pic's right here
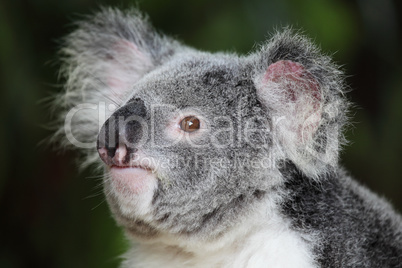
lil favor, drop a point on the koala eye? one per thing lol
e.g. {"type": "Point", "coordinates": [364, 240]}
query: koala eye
{"type": "Point", "coordinates": [190, 124]}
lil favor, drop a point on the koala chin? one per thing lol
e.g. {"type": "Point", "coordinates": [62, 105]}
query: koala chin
{"type": "Point", "coordinates": [218, 159]}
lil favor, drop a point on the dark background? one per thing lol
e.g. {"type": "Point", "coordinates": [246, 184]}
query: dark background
{"type": "Point", "coordinates": [53, 216]}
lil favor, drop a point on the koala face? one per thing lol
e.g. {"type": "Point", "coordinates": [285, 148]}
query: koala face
{"type": "Point", "coordinates": [197, 139]}
{"type": "Point", "coordinates": [181, 150]}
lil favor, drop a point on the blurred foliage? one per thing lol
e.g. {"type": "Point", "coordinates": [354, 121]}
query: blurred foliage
{"type": "Point", "coordinates": [53, 216]}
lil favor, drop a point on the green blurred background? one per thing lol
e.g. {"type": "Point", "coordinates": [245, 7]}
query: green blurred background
{"type": "Point", "coordinates": [53, 216]}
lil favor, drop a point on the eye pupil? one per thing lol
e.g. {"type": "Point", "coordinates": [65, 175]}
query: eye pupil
{"type": "Point", "coordinates": [190, 124]}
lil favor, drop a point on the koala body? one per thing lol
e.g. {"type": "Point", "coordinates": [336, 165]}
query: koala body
{"type": "Point", "coordinates": [220, 160]}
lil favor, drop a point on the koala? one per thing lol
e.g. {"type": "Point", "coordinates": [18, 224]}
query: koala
{"type": "Point", "coordinates": [218, 159]}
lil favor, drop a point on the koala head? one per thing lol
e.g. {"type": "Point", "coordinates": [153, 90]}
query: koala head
{"type": "Point", "coordinates": [190, 141]}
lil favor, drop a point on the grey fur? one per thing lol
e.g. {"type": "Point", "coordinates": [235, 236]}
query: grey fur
{"type": "Point", "coordinates": [196, 199]}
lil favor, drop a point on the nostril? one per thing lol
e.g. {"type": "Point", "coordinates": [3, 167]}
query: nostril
{"type": "Point", "coordinates": [106, 149]}
{"type": "Point", "coordinates": [111, 151]}
{"type": "Point", "coordinates": [119, 157]}
{"type": "Point", "coordinates": [103, 153]}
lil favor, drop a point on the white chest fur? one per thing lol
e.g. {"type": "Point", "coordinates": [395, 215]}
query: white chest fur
{"type": "Point", "coordinates": [257, 242]}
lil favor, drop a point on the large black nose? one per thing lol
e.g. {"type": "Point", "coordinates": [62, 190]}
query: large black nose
{"type": "Point", "coordinates": [120, 135]}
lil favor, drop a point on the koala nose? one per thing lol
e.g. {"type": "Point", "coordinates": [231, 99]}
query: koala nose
{"type": "Point", "coordinates": [120, 135]}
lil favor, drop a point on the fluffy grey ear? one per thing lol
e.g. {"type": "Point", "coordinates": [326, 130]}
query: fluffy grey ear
{"type": "Point", "coordinates": [101, 61]}
{"type": "Point", "coordinates": [303, 92]}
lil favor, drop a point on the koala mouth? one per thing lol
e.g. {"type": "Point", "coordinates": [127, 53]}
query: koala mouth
{"type": "Point", "coordinates": [121, 159]}
{"type": "Point", "coordinates": [129, 180]}
{"type": "Point", "coordinates": [130, 174]}
{"type": "Point", "coordinates": [132, 166]}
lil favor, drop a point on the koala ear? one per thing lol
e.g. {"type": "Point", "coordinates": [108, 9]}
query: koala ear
{"type": "Point", "coordinates": [299, 93]}
{"type": "Point", "coordinates": [124, 65]}
{"type": "Point", "coordinates": [110, 52]}
{"type": "Point", "coordinates": [302, 91]}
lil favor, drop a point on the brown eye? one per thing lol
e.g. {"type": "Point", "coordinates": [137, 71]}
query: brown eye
{"type": "Point", "coordinates": [190, 124]}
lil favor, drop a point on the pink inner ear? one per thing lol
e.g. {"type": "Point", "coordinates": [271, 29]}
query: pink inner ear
{"type": "Point", "coordinates": [303, 90]}
{"type": "Point", "coordinates": [127, 65]}
{"type": "Point", "coordinates": [286, 70]}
